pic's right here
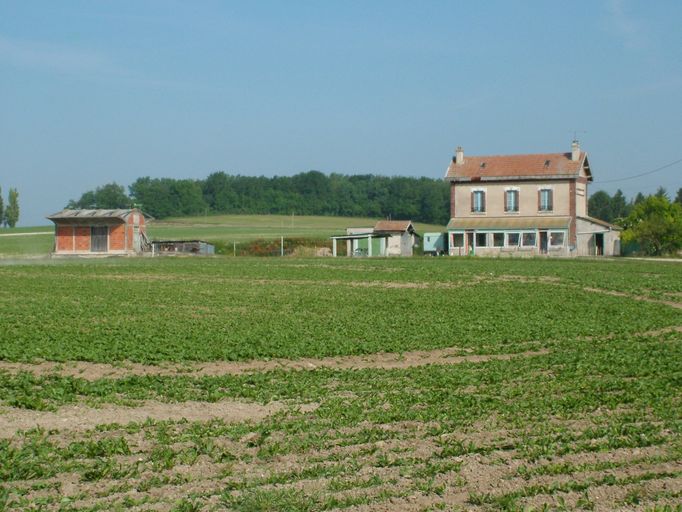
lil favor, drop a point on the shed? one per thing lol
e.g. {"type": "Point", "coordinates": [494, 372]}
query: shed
{"type": "Point", "coordinates": [182, 247]}
{"type": "Point", "coordinates": [99, 232]}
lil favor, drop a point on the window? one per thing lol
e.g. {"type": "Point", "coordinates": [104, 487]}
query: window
{"type": "Point", "coordinates": [498, 239]}
{"type": "Point", "coordinates": [458, 240]}
{"type": "Point", "coordinates": [481, 239]}
{"type": "Point", "coordinates": [513, 239]}
{"type": "Point", "coordinates": [528, 240]}
{"type": "Point", "coordinates": [511, 200]}
{"type": "Point", "coordinates": [545, 200]}
{"type": "Point", "coordinates": [478, 201]}
{"type": "Point", "coordinates": [556, 238]}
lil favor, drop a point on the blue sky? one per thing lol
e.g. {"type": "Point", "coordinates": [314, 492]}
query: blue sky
{"type": "Point", "coordinates": [93, 92]}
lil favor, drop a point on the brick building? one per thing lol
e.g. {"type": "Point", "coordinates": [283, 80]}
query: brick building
{"type": "Point", "coordinates": [97, 232]}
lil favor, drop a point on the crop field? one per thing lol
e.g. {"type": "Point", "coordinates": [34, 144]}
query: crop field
{"type": "Point", "coordinates": [313, 384]}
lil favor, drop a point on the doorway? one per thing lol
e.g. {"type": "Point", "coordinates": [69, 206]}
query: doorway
{"type": "Point", "coordinates": [99, 239]}
{"type": "Point", "coordinates": [543, 242]}
{"type": "Point", "coordinates": [470, 243]}
{"type": "Point", "coordinates": [599, 244]}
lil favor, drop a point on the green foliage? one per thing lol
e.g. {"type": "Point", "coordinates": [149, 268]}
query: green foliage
{"type": "Point", "coordinates": [11, 214]}
{"type": "Point", "coordinates": [109, 196]}
{"type": "Point", "coordinates": [656, 224]}
{"type": "Point", "coordinates": [190, 310]}
{"type": "Point", "coordinates": [605, 207]}
{"type": "Point", "coordinates": [307, 193]}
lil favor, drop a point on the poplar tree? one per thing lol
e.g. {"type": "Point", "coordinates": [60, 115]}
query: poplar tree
{"type": "Point", "coordinates": [2, 209]}
{"type": "Point", "coordinates": [12, 210]}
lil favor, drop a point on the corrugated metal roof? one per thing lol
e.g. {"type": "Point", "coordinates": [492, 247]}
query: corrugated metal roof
{"type": "Point", "coordinates": [509, 223]}
{"type": "Point", "coordinates": [90, 214]}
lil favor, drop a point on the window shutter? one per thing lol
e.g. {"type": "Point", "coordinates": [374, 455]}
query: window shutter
{"type": "Point", "coordinates": [539, 200]}
{"type": "Point", "coordinates": [473, 206]}
{"type": "Point", "coordinates": [506, 201]}
{"type": "Point", "coordinates": [482, 201]}
{"type": "Point", "coordinates": [550, 200]}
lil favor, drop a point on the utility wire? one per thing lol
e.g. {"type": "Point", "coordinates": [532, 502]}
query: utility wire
{"type": "Point", "coordinates": [642, 174]}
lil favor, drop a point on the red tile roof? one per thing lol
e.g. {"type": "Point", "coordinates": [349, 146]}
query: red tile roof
{"type": "Point", "coordinates": [542, 165]}
{"type": "Point", "coordinates": [393, 225]}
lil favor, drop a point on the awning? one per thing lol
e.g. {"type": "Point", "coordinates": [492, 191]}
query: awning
{"type": "Point", "coordinates": [509, 223]}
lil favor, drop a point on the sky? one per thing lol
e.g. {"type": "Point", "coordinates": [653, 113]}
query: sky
{"type": "Point", "coordinates": [93, 92]}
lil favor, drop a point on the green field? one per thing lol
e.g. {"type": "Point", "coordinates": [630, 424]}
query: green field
{"type": "Point", "coordinates": [360, 384]}
{"type": "Point", "coordinates": [225, 229]}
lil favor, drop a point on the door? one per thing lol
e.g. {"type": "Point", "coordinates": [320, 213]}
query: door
{"type": "Point", "coordinates": [470, 243]}
{"type": "Point", "coordinates": [99, 238]}
{"type": "Point", "coordinates": [599, 243]}
{"type": "Point", "coordinates": [543, 242]}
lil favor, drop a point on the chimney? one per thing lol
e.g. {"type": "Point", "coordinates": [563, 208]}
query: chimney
{"type": "Point", "coordinates": [459, 155]}
{"type": "Point", "coordinates": [575, 151]}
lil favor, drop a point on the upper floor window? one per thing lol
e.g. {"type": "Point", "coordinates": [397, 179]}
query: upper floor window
{"type": "Point", "coordinates": [545, 200]}
{"type": "Point", "coordinates": [478, 201]}
{"type": "Point", "coordinates": [511, 200]}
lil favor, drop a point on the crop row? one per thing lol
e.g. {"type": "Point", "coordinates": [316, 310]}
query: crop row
{"type": "Point", "coordinates": [109, 313]}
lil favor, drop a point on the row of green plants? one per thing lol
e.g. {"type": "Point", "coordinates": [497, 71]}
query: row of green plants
{"type": "Point", "coordinates": [238, 310]}
{"type": "Point", "coordinates": [624, 393]}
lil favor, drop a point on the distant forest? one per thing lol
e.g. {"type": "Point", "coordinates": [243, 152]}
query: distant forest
{"type": "Point", "coordinates": [312, 193]}
{"type": "Point", "coordinates": [308, 193]}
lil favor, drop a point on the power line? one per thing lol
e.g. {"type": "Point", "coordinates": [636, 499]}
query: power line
{"type": "Point", "coordinates": [642, 174]}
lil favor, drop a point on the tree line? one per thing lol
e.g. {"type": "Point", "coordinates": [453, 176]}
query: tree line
{"type": "Point", "coordinates": [9, 215]}
{"type": "Point", "coordinates": [308, 193]}
{"type": "Point", "coordinates": [617, 208]}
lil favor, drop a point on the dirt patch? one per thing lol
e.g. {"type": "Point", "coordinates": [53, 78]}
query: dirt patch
{"type": "Point", "coordinates": [642, 298]}
{"type": "Point", "coordinates": [81, 417]}
{"type": "Point", "coordinates": [383, 360]}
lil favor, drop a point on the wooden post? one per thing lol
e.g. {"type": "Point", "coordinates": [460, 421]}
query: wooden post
{"type": "Point", "coordinates": [369, 246]}
{"type": "Point", "coordinates": [281, 246]}
{"type": "Point", "coordinates": [334, 247]}
{"type": "Point", "coordinates": [234, 248]}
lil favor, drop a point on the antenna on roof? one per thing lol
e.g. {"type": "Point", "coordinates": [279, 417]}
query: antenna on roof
{"type": "Point", "coordinates": [576, 132]}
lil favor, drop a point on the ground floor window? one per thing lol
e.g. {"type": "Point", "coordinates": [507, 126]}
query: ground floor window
{"type": "Point", "coordinates": [458, 239]}
{"type": "Point", "coordinates": [481, 239]}
{"type": "Point", "coordinates": [556, 238]}
{"type": "Point", "coordinates": [498, 239]}
{"type": "Point", "coordinates": [513, 239]}
{"type": "Point", "coordinates": [528, 240]}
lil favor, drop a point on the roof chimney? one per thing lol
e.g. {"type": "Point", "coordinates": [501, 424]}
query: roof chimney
{"type": "Point", "coordinates": [575, 151]}
{"type": "Point", "coordinates": [459, 155]}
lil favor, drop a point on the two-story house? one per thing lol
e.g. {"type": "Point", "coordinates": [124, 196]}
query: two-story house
{"type": "Point", "coordinates": [525, 205]}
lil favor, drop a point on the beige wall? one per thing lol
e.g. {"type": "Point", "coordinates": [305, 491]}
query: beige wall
{"type": "Point", "coordinates": [528, 198]}
{"type": "Point", "coordinates": [586, 239]}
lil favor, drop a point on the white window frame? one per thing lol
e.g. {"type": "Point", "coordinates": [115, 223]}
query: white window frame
{"type": "Point", "coordinates": [452, 239]}
{"type": "Point", "coordinates": [484, 233]}
{"type": "Point", "coordinates": [535, 239]}
{"type": "Point", "coordinates": [563, 239]}
{"type": "Point", "coordinates": [506, 238]}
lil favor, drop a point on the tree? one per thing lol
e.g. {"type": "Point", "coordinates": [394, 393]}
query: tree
{"type": "Point", "coordinates": [656, 224]}
{"type": "Point", "coordinates": [109, 196]}
{"type": "Point", "coordinates": [2, 209]}
{"type": "Point", "coordinates": [620, 208]}
{"type": "Point", "coordinates": [12, 211]}
{"type": "Point", "coordinates": [599, 206]}
{"type": "Point", "coordinates": [678, 197]}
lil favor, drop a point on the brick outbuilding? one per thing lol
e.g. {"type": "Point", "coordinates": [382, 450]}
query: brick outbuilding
{"type": "Point", "coordinates": [81, 232]}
